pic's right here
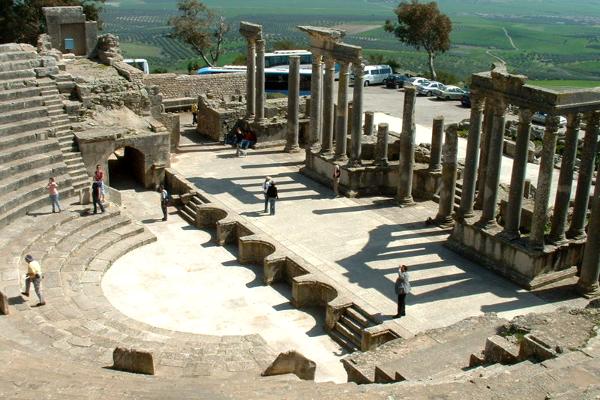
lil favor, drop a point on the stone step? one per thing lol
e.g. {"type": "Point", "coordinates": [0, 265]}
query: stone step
{"type": "Point", "coordinates": [21, 104]}
{"type": "Point", "coordinates": [197, 200]}
{"type": "Point", "coordinates": [10, 141]}
{"type": "Point", "coordinates": [18, 83]}
{"type": "Point", "coordinates": [17, 94]}
{"type": "Point", "coordinates": [18, 65]}
{"type": "Point", "coordinates": [189, 218]}
{"type": "Point", "coordinates": [39, 175]}
{"type": "Point", "coordinates": [32, 200]}
{"type": "Point", "coordinates": [11, 168]}
{"type": "Point", "coordinates": [351, 325]}
{"type": "Point", "coordinates": [17, 56]}
{"type": "Point", "coordinates": [28, 149]}
{"type": "Point", "coordinates": [75, 162]}
{"type": "Point", "coordinates": [17, 75]}
{"type": "Point", "coordinates": [360, 317]}
{"type": "Point", "coordinates": [347, 332]}
{"type": "Point", "coordinates": [30, 191]}
{"type": "Point", "coordinates": [22, 115]}
{"type": "Point", "coordinates": [190, 210]}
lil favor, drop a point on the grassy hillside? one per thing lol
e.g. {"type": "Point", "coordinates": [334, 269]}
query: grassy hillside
{"type": "Point", "coordinates": [545, 39]}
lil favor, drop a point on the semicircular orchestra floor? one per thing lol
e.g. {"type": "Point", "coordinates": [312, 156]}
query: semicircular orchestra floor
{"type": "Point", "coordinates": [184, 282]}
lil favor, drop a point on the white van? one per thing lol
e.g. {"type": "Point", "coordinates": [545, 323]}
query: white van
{"type": "Point", "coordinates": [374, 74]}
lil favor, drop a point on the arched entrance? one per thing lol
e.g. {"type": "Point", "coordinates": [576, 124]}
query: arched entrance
{"type": "Point", "coordinates": [126, 168]}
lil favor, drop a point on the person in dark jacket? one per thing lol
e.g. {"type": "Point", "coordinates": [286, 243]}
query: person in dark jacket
{"type": "Point", "coordinates": [272, 195]}
{"type": "Point", "coordinates": [96, 194]}
{"type": "Point", "coordinates": [402, 288]}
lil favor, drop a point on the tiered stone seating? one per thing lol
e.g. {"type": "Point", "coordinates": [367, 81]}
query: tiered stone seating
{"type": "Point", "coordinates": [36, 140]}
{"type": "Point", "coordinates": [28, 154]}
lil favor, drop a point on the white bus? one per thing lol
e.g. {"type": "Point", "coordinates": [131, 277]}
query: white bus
{"type": "Point", "coordinates": [139, 63]}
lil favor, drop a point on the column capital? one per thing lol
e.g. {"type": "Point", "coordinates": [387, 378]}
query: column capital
{"type": "Point", "coordinates": [499, 105]}
{"type": "Point", "coordinates": [552, 123]}
{"type": "Point", "coordinates": [260, 45]}
{"type": "Point", "coordinates": [358, 69]}
{"type": "Point", "coordinates": [329, 61]}
{"type": "Point", "coordinates": [573, 120]}
{"type": "Point", "coordinates": [525, 115]}
{"type": "Point", "coordinates": [317, 56]}
{"type": "Point", "coordinates": [477, 101]}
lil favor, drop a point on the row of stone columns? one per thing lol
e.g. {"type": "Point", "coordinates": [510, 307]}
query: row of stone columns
{"type": "Point", "coordinates": [323, 117]}
{"type": "Point", "coordinates": [489, 152]}
{"type": "Point", "coordinates": [255, 73]}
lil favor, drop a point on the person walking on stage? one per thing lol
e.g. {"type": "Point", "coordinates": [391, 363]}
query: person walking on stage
{"type": "Point", "coordinates": [164, 201]}
{"type": "Point", "coordinates": [265, 187]}
{"type": "Point", "coordinates": [272, 195]}
{"type": "Point", "coordinates": [402, 288]}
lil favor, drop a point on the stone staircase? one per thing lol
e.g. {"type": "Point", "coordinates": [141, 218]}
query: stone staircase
{"type": "Point", "coordinates": [457, 195]}
{"type": "Point", "coordinates": [348, 329]}
{"type": "Point", "coordinates": [440, 352]}
{"type": "Point", "coordinates": [29, 154]}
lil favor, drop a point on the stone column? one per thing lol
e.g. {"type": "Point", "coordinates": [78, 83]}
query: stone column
{"type": "Point", "coordinates": [341, 125]}
{"type": "Point", "coordinates": [488, 122]}
{"type": "Point", "coordinates": [590, 266]}
{"type": "Point", "coordinates": [381, 151]}
{"type": "Point", "coordinates": [250, 79]}
{"type": "Point", "coordinates": [357, 110]}
{"type": "Point", "coordinates": [328, 111]}
{"type": "Point", "coordinates": [437, 137]}
{"type": "Point", "coordinates": [467, 197]}
{"type": "Point", "coordinates": [407, 148]}
{"type": "Point", "coordinates": [584, 181]}
{"type": "Point", "coordinates": [542, 194]}
{"type": "Point", "coordinates": [449, 168]}
{"type": "Point", "coordinates": [293, 110]}
{"type": "Point", "coordinates": [260, 80]}
{"type": "Point", "coordinates": [517, 179]}
{"type": "Point", "coordinates": [315, 102]}
{"type": "Point", "coordinates": [369, 118]}
{"type": "Point", "coordinates": [565, 181]}
{"type": "Point", "coordinates": [494, 163]}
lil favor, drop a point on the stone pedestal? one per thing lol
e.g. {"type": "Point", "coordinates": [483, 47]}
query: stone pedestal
{"type": "Point", "coordinates": [381, 153]}
{"type": "Point", "coordinates": [369, 124]}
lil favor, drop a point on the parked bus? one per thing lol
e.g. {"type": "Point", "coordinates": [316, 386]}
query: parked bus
{"type": "Point", "coordinates": [282, 57]}
{"type": "Point", "coordinates": [276, 80]}
{"type": "Point", "coordinates": [139, 63]}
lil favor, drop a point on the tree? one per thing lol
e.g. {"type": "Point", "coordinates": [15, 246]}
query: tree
{"type": "Point", "coordinates": [23, 20]}
{"type": "Point", "coordinates": [201, 28]}
{"type": "Point", "coordinates": [422, 26]}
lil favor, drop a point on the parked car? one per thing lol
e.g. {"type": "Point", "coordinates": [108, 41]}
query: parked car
{"type": "Point", "coordinates": [417, 80]}
{"type": "Point", "coordinates": [428, 87]}
{"type": "Point", "coordinates": [374, 74]}
{"type": "Point", "coordinates": [395, 81]}
{"type": "Point", "coordinates": [540, 118]}
{"type": "Point", "coordinates": [449, 93]}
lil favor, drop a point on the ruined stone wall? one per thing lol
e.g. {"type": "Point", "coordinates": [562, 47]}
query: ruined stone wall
{"type": "Point", "coordinates": [175, 85]}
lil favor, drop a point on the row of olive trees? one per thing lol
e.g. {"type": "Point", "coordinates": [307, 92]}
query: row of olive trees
{"type": "Point", "coordinates": [420, 25]}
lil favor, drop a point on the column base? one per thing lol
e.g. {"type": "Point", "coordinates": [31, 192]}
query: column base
{"type": "Point", "coordinates": [588, 291]}
{"type": "Point", "coordinates": [341, 158]}
{"type": "Point", "coordinates": [354, 163]}
{"type": "Point", "coordinates": [460, 215]}
{"type": "Point", "coordinates": [558, 241]}
{"type": "Point", "coordinates": [405, 201]}
{"type": "Point", "coordinates": [292, 149]}
{"type": "Point", "coordinates": [508, 235]}
{"type": "Point", "coordinates": [441, 221]}
{"type": "Point", "coordinates": [489, 224]}
{"type": "Point", "coordinates": [435, 169]}
{"type": "Point", "coordinates": [577, 235]}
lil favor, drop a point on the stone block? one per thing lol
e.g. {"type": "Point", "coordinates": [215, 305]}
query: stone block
{"type": "Point", "coordinates": [130, 360]}
{"type": "Point", "coordinates": [499, 350]}
{"type": "Point", "coordinates": [536, 346]}
{"type": "Point", "coordinates": [4, 304]}
{"type": "Point", "coordinates": [476, 359]}
{"type": "Point", "coordinates": [292, 362]}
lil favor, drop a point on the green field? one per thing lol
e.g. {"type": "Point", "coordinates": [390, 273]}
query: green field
{"type": "Point", "coordinates": [565, 84]}
{"type": "Point", "coordinates": [544, 39]}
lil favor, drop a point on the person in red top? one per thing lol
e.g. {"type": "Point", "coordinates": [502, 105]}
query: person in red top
{"type": "Point", "coordinates": [99, 179]}
{"type": "Point", "coordinates": [53, 192]}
